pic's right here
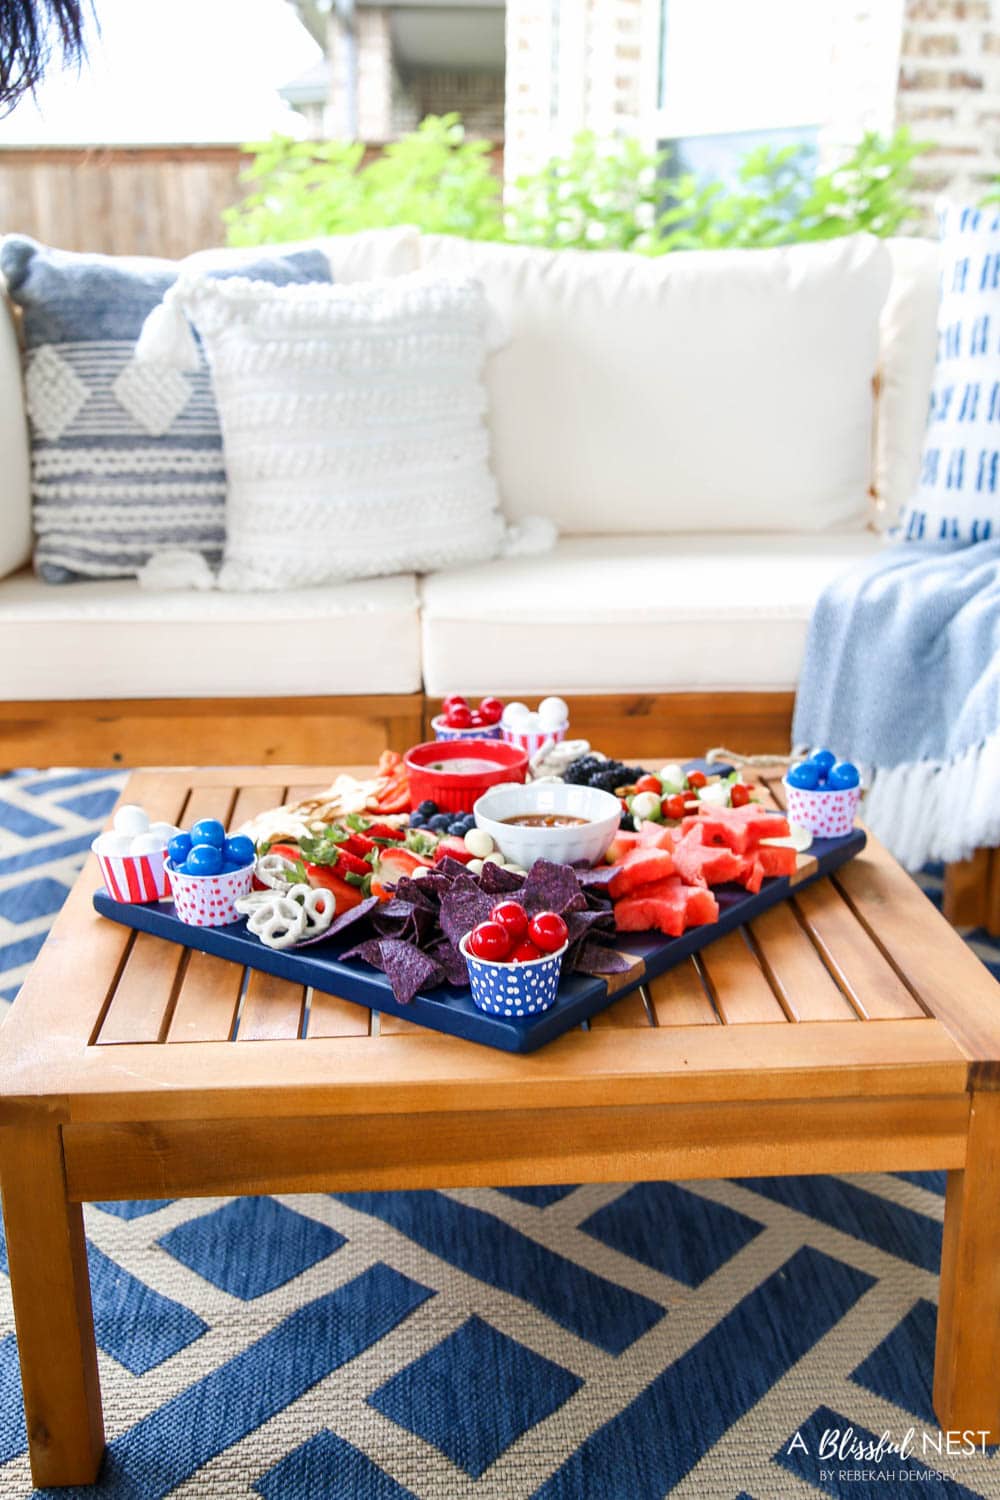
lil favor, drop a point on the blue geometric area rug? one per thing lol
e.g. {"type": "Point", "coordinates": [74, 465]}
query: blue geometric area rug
{"type": "Point", "coordinates": [711, 1341]}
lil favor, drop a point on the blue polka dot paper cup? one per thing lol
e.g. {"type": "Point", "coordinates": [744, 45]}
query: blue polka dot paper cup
{"type": "Point", "coordinates": [484, 732]}
{"type": "Point", "coordinates": [826, 814]}
{"type": "Point", "coordinates": [514, 989]}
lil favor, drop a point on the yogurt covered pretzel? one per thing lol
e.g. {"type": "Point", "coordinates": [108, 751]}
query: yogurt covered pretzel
{"type": "Point", "coordinates": [548, 763]}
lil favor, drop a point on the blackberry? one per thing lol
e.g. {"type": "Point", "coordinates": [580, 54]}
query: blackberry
{"type": "Point", "coordinates": [627, 824]}
{"type": "Point", "coordinates": [578, 772]}
{"type": "Point", "coordinates": [608, 780]}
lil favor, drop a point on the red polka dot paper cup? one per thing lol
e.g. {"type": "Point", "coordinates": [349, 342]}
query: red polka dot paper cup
{"type": "Point", "coordinates": [826, 814]}
{"type": "Point", "coordinates": [209, 900]}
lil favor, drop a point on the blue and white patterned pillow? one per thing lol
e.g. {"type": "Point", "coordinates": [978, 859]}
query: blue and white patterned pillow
{"type": "Point", "coordinates": [958, 495]}
{"type": "Point", "coordinates": [126, 458]}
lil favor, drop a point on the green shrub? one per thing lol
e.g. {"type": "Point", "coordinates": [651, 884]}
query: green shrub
{"type": "Point", "coordinates": [434, 178]}
{"type": "Point", "coordinates": [600, 195]}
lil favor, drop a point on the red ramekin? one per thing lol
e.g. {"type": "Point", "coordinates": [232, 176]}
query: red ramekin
{"type": "Point", "coordinates": [458, 791]}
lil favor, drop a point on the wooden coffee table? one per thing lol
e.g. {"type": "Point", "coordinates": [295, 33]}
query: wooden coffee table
{"type": "Point", "coordinates": [849, 1030]}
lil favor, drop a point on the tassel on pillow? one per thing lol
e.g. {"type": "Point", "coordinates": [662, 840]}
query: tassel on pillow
{"type": "Point", "coordinates": [167, 337]}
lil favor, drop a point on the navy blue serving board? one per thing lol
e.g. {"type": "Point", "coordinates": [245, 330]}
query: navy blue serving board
{"type": "Point", "coordinates": [451, 1010]}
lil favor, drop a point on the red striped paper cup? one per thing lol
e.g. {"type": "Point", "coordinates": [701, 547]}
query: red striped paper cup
{"type": "Point", "coordinates": [534, 741]}
{"type": "Point", "coordinates": [134, 877]}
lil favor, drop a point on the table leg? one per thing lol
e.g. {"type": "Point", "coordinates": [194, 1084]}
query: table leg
{"type": "Point", "coordinates": [966, 1390]}
{"type": "Point", "coordinates": [50, 1287]}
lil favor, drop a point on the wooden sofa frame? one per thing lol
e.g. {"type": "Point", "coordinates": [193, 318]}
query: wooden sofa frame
{"type": "Point", "coordinates": [295, 731]}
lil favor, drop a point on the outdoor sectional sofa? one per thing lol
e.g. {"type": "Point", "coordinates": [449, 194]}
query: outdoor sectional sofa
{"type": "Point", "coordinates": [716, 435]}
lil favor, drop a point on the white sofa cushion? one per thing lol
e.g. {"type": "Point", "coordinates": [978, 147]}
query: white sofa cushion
{"type": "Point", "coordinates": [906, 369]}
{"type": "Point", "coordinates": [643, 614]}
{"type": "Point", "coordinates": [353, 422]}
{"type": "Point", "coordinates": [723, 390]}
{"type": "Point", "coordinates": [113, 639]}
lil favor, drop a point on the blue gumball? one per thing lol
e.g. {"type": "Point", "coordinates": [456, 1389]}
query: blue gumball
{"type": "Point", "coordinates": [231, 866]}
{"type": "Point", "coordinates": [204, 859]}
{"type": "Point", "coordinates": [843, 777]}
{"type": "Point", "coordinates": [805, 776]}
{"type": "Point", "coordinates": [824, 759]}
{"type": "Point", "coordinates": [208, 831]}
{"type": "Point", "coordinates": [178, 849]}
{"type": "Point", "coordinates": [239, 851]}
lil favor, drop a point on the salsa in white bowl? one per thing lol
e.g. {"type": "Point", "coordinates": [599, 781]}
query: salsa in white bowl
{"type": "Point", "coordinates": [592, 819]}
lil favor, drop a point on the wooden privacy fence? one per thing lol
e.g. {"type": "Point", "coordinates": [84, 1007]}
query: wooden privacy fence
{"type": "Point", "coordinates": [120, 200]}
{"type": "Point", "coordinates": [128, 200]}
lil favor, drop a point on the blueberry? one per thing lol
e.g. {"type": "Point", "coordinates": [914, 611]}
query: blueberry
{"type": "Point", "coordinates": [458, 828]}
{"type": "Point", "coordinates": [208, 831]}
{"type": "Point", "coordinates": [843, 777]}
{"type": "Point", "coordinates": [805, 776]}
{"type": "Point", "coordinates": [440, 822]}
{"type": "Point", "coordinates": [427, 809]}
{"type": "Point", "coordinates": [417, 819]}
{"type": "Point", "coordinates": [178, 849]}
{"type": "Point", "coordinates": [824, 759]}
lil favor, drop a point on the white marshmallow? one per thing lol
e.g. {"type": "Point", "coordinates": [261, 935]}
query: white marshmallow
{"type": "Point", "coordinates": [147, 843]}
{"type": "Point", "coordinates": [514, 714]}
{"type": "Point", "coordinates": [131, 819]}
{"type": "Point", "coordinates": [165, 831]}
{"type": "Point", "coordinates": [112, 843]}
{"type": "Point", "coordinates": [553, 712]}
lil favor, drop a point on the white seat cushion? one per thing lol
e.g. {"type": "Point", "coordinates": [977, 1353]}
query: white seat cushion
{"type": "Point", "coordinates": [649, 614]}
{"type": "Point", "coordinates": [116, 640]}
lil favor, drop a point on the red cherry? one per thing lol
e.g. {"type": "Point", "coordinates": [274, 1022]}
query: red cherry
{"type": "Point", "coordinates": [491, 710]}
{"type": "Point", "coordinates": [739, 794]}
{"type": "Point", "coordinates": [526, 953]}
{"type": "Point", "coordinates": [477, 719]}
{"type": "Point", "coordinates": [512, 918]}
{"type": "Point", "coordinates": [489, 941]}
{"type": "Point", "coordinates": [453, 700]}
{"type": "Point", "coordinates": [548, 931]}
{"type": "Point", "coordinates": [459, 717]}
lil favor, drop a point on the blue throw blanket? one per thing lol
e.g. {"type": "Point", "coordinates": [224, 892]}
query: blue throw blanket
{"type": "Point", "coordinates": [902, 676]}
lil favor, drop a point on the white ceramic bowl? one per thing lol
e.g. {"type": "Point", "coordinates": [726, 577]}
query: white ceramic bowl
{"type": "Point", "coordinates": [569, 845]}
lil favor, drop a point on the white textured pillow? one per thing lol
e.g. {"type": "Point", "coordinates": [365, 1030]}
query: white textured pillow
{"type": "Point", "coordinates": [716, 390]}
{"type": "Point", "coordinates": [352, 420]}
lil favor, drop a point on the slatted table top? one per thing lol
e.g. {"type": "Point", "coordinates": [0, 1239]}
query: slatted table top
{"type": "Point", "coordinates": [856, 987]}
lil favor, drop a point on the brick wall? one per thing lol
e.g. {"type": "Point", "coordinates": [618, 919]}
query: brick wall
{"type": "Point", "coordinates": [949, 92]}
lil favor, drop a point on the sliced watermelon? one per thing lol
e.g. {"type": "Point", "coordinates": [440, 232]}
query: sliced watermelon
{"type": "Point", "coordinates": [669, 906]}
{"type": "Point", "coordinates": [736, 828]}
{"type": "Point", "coordinates": [751, 872]}
{"type": "Point", "coordinates": [623, 841]}
{"type": "Point", "coordinates": [640, 867]}
{"type": "Point", "coordinates": [777, 859]}
{"type": "Point", "coordinates": [705, 864]}
{"type": "Point", "coordinates": [656, 836]}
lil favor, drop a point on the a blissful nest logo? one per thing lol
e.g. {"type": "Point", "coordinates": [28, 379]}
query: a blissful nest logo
{"type": "Point", "coordinates": [847, 1456]}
